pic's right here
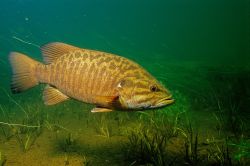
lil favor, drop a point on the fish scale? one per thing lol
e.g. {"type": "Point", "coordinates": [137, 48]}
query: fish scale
{"type": "Point", "coordinates": [109, 81]}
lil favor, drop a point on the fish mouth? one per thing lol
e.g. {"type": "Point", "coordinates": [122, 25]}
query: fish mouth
{"type": "Point", "coordinates": [164, 101]}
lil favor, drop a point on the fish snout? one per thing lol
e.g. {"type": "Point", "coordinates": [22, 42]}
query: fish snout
{"type": "Point", "coordinates": [164, 101]}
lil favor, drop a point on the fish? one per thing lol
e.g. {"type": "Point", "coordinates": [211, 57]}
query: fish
{"type": "Point", "coordinates": [108, 81]}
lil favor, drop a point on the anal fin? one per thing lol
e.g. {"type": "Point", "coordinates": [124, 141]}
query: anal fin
{"type": "Point", "coordinates": [98, 109]}
{"type": "Point", "coordinates": [53, 96]}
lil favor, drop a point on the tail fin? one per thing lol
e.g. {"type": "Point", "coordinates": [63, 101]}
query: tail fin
{"type": "Point", "coordinates": [23, 69]}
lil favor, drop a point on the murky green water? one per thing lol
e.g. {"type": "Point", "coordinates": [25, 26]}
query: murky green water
{"type": "Point", "coordinates": [198, 49]}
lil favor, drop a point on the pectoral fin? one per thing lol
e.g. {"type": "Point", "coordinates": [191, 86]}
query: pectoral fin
{"type": "Point", "coordinates": [97, 109]}
{"type": "Point", "coordinates": [53, 96]}
{"type": "Point", "coordinates": [107, 99]}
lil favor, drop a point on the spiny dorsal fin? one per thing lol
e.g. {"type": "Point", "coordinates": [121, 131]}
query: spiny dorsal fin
{"type": "Point", "coordinates": [52, 51]}
{"type": "Point", "coordinates": [53, 96]}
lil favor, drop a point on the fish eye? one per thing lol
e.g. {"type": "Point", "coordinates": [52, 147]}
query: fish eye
{"type": "Point", "coordinates": [153, 88]}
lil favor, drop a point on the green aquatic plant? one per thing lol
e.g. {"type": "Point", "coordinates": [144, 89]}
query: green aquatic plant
{"type": "Point", "coordinates": [218, 152]}
{"type": "Point", "coordinates": [29, 127]}
{"type": "Point", "coordinates": [5, 126]}
{"type": "Point", "coordinates": [27, 139]}
{"type": "Point", "coordinates": [219, 126]}
{"type": "Point", "coordinates": [2, 159]}
{"type": "Point", "coordinates": [191, 146]}
{"type": "Point", "coordinates": [102, 127]}
{"type": "Point", "coordinates": [54, 126]}
{"type": "Point", "coordinates": [229, 120]}
{"type": "Point", "coordinates": [104, 131]}
{"type": "Point", "coordinates": [6, 132]}
{"type": "Point", "coordinates": [147, 147]}
{"type": "Point", "coordinates": [67, 144]}
{"type": "Point", "coordinates": [230, 107]}
{"type": "Point", "coordinates": [121, 118]}
{"type": "Point", "coordinates": [11, 99]}
{"type": "Point", "coordinates": [25, 132]}
{"type": "Point", "coordinates": [147, 141]}
{"type": "Point", "coordinates": [26, 136]}
{"type": "Point", "coordinates": [161, 121]}
{"type": "Point", "coordinates": [175, 125]}
{"type": "Point", "coordinates": [66, 159]}
{"type": "Point", "coordinates": [242, 149]}
{"type": "Point", "coordinates": [16, 127]}
{"type": "Point", "coordinates": [85, 160]}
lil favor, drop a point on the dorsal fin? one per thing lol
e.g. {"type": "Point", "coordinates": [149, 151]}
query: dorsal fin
{"type": "Point", "coordinates": [52, 51]}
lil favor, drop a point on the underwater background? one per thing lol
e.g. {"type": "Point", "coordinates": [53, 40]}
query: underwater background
{"type": "Point", "coordinates": [200, 50]}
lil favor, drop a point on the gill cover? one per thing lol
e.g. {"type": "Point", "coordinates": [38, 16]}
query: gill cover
{"type": "Point", "coordinates": [125, 88]}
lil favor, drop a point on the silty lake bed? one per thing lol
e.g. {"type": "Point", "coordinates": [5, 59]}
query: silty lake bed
{"type": "Point", "coordinates": [198, 50]}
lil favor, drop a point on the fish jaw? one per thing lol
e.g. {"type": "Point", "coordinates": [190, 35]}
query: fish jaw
{"type": "Point", "coordinates": [131, 105]}
{"type": "Point", "coordinates": [163, 102]}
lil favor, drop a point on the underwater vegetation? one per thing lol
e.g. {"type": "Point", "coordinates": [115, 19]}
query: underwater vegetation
{"type": "Point", "coordinates": [231, 92]}
{"type": "Point", "coordinates": [2, 159]}
{"type": "Point", "coordinates": [102, 126]}
{"type": "Point", "coordinates": [218, 153]}
{"type": "Point", "coordinates": [198, 50]}
{"type": "Point", "coordinates": [25, 132]}
{"type": "Point", "coordinates": [147, 142]}
{"type": "Point", "coordinates": [150, 145]}
{"type": "Point", "coordinates": [150, 141]}
{"type": "Point", "coordinates": [67, 144]}
{"type": "Point", "coordinates": [191, 146]}
{"type": "Point", "coordinates": [167, 136]}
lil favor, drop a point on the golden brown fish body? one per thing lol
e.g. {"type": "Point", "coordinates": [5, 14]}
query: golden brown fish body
{"type": "Point", "coordinates": [106, 80]}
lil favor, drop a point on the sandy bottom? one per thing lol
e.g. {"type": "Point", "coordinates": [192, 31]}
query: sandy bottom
{"type": "Point", "coordinates": [89, 146]}
{"type": "Point", "coordinates": [87, 139]}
